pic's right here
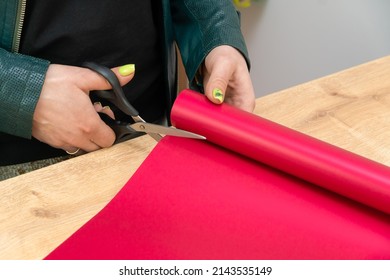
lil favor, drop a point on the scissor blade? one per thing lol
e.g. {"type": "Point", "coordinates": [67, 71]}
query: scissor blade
{"type": "Point", "coordinates": [159, 129]}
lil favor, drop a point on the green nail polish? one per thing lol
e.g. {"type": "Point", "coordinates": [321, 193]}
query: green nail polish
{"type": "Point", "coordinates": [126, 70]}
{"type": "Point", "coordinates": [218, 94]}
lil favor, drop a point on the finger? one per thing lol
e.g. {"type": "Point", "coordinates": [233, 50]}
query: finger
{"type": "Point", "coordinates": [98, 106]}
{"type": "Point", "coordinates": [217, 82]}
{"type": "Point", "coordinates": [241, 93]}
{"type": "Point", "coordinates": [94, 81]}
{"type": "Point", "coordinates": [90, 144]}
{"type": "Point", "coordinates": [103, 137]}
{"type": "Point", "coordinates": [106, 109]}
{"type": "Point", "coordinates": [86, 144]}
{"type": "Point", "coordinates": [124, 73]}
{"type": "Point", "coordinates": [91, 134]}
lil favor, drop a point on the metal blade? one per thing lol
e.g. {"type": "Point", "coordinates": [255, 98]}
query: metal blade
{"type": "Point", "coordinates": [139, 120]}
{"type": "Point", "coordinates": [159, 129]}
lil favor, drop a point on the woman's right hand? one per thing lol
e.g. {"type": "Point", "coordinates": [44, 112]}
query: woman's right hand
{"type": "Point", "coordinates": [65, 116]}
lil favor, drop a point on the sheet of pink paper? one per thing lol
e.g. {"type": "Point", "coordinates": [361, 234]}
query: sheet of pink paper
{"type": "Point", "coordinates": [192, 199]}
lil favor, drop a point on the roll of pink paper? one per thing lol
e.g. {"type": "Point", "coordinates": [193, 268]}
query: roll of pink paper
{"type": "Point", "coordinates": [305, 157]}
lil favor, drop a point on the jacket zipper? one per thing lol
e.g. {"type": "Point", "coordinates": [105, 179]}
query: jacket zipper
{"type": "Point", "coordinates": [19, 25]}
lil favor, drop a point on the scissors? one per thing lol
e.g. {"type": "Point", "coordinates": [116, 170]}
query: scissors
{"type": "Point", "coordinates": [123, 130]}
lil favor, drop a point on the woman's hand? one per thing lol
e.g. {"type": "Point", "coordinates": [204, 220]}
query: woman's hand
{"type": "Point", "coordinates": [226, 78]}
{"type": "Point", "coordinates": [65, 116]}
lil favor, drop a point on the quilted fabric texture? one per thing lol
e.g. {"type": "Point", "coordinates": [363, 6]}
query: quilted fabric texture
{"type": "Point", "coordinates": [21, 80]}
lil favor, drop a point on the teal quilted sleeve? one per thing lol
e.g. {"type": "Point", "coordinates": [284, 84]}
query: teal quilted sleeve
{"type": "Point", "coordinates": [21, 80]}
{"type": "Point", "coordinates": [201, 25]}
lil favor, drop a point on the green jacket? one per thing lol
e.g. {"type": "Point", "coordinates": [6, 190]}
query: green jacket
{"type": "Point", "coordinates": [196, 26]}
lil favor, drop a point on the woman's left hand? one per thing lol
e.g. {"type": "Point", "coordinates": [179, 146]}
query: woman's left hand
{"type": "Point", "coordinates": [226, 78]}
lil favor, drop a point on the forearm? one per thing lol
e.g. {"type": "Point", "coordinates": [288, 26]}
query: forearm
{"type": "Point", "coordinates": [21, 80]}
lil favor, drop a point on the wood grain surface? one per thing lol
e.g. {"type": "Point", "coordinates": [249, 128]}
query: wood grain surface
{"type": "Point", "coordinates": [40, 209]}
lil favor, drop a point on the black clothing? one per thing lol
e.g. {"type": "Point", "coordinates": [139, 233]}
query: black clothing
{"type": "Point", "coordinates": [112, 33]}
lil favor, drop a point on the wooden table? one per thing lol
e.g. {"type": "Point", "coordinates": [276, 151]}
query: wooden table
{"type": "Point", "coordinates": [39, 210]}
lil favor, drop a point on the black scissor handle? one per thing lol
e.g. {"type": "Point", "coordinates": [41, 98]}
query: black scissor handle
{"type": "Point", "coordinates": [116, 96]}
{"type": "Point", "coordinates": [122, 130]}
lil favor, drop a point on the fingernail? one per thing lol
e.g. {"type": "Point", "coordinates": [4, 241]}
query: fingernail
{"type": "Point", "coordinates": [218, 94]}
{"type": "Point", "coordinates": [97, 104]}
{"type": "Point", "coordinates": [106, 107]}
{"type": "Point", "coordinates": [127, 70]}
{"type": "Point", "coordinates": [242, 3]}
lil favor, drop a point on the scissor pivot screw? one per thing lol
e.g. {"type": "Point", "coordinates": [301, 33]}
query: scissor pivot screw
{"type": "Point", "coordinates": [142, 127]}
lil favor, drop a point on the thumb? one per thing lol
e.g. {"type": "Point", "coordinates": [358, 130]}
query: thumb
{"type": "Point", "coordinates": [95, 81]}
{"type": "Point", "coordinates": [217, 83]}
{"type": "Point", "coordinates": [124, 73]}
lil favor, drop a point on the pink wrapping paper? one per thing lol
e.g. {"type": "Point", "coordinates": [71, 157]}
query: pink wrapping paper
{"type": "Point", "coordinates": [192, 199]}
{"type": "Point", "coordinates": [307, 158]}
